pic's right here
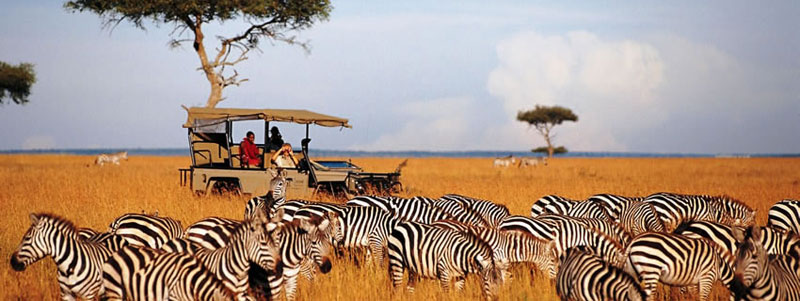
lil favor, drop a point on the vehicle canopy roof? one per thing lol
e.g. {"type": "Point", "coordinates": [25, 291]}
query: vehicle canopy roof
{"type": "Point", "coordinates": [208, 116]}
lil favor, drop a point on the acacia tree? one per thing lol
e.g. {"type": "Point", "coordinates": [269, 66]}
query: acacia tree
{"type": "Point", "coordinates": [273, 20]}
{"type": "Point", "coordinates": [16, 82]}
{"type": "Point", "coordinates": [544, 118]}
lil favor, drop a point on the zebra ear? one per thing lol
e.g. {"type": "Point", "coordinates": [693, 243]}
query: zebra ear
{"type": "Point", "coordinates": [738, 233]}
{"type": "Point", "coordinates": [324, 224]}
{"type": "Point", "coordinates": [34, 219]}
{"type": "Point", "coordinates": [271, 227]}
{"type": "Point", "coordinates": [756, 233]}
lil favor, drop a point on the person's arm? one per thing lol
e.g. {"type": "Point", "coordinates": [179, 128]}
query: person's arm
{"type": "Point", "coordinates": [294, 159]}
{"type": "Point", "coordinates": [276, 154]}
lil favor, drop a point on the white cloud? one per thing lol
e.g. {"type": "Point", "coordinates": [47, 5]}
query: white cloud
{"type": "Point", "coordinates": [440, 124]}
{"type": "Point", "coordinates": [604, 82]}
{"type": "Point", "coordinates": [39, 142]}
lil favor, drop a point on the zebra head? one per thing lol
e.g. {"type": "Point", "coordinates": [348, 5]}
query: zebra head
{"type": "Point", "coordinates": [750, 262]}
{"type": "Point", "coordinates": [491, 273]}
{"type": "Point", "coordinates": [318, 232]}
{"type": "Point", "coordinates": [39, 239]}
{"type": "Point", "coordinates": [733, 212]}
{"type": "Point", "coordinates": [261, 244]}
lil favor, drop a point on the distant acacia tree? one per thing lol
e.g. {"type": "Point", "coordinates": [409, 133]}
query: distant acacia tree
{"type": "Point", "coordinates": [544, 118]}
{"type": "Point", "coordinates": [545, 149]}
{"type": "Point", "coordinates": [16, 82]}
{"type": "Point", "coordinates": [268, 19]}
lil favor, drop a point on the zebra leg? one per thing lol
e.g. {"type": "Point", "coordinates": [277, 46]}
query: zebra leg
{"type": "Point", "coordinates": [275, 286]}
{"type": "Point", "coordinates": [650, 281]}
{"type": "Point", "coordinates": [412, 282]}
{"type": "Point", "coordinates": [66, 293]}
{"type": "Point", "coordinates": [396, 270]}
{"type": "Point", "coordinates": [460, 282]}
{"type": "Point", "coordinates": [377, 251]}
{"type": "Point", "coordinates": [705, 286]}
{"type": "Point", "coordinates": [290, 283]}
{"type": "Point", "coordinates": [443, 275]}
{"type": "Point", "coordinates": [308, 268]}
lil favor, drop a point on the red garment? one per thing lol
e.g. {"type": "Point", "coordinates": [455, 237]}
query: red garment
{"type": "Point", "coordinates": [249, 153]}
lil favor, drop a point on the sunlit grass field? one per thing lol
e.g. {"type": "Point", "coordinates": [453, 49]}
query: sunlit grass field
{"type": "Point", "coordinates": [91, 197]}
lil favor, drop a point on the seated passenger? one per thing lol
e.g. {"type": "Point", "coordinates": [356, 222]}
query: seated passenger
{"type": "Point", "coordinates": [275, 140]}
{"type": "Point", "coordinates": [284, 157]}
{"type": "Point", "coordinates": [249, 151]}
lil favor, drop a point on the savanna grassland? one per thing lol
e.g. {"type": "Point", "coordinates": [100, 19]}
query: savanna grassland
{"type": "Point", "coordinates": [92, 197]}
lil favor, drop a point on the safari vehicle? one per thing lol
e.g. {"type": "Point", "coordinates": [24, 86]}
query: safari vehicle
{"type": "Point", "coordinates": [217, 166]}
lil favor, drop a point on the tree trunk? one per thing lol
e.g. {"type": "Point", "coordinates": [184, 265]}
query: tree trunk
{"type": "Point", "coordinates": [549, 146]}
{"type": "Point", "coordinates": [215, 81]}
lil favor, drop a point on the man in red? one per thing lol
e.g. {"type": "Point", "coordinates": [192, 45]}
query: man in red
{"type": "Point", "coordinates": [249, 151]}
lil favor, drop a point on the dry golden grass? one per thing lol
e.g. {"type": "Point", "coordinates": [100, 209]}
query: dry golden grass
{"type": "Point", "coordinates": [92, 197]}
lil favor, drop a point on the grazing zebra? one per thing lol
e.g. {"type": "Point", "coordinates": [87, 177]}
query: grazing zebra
{"type": "Point", "coordinates": [785, 216]}
{"type": "Point", "coordinates": [114, 158]}
{"type": "Point", "coordinates": [674, 209]}
{"type": "Point", "coordinates": [757, 277]}
{"type": "Point", "coordinates": [367, 228]}
{"type": "Point", "coordinates": [538, 228]}
{"type": "Point", "coordinates": [427, 251]}
{"type": "Point", "coordinates": [679, 261]}
{"type": "Point", "coordinates": [613, 204]}
{"type": "Point", "coordinates": [146, 230]}
{"type": "Point", "coordinates": [524, 162]}
{"type": "Point", "coordinates": [269, 202]}
{"type": "Point", "coordinates": [773, 241]}
{"type": "Point", "coordinates": [211, 232]}
{"type": "Point", "coordinates": [492, 213]}
{"type": "Point", "coordinates": [299, 240]}
{"type": "Point", "coordinates": [166, 276]}
{"type": "Point", "coordinates": [383, 202]}
{"type": "Point", "coordinates": [584, 276]}
{"type": "Point", "coordinates": [504, 161]}
{"type": "Point", "coordinates": [573, 233]}
{"type": "Point", "coordinates": [640, 217]}
{"type": "Point", "coordinates": [552, 204]}
{"type": "Point", "coordinates": [79, 262]}
{"type": "Point", "coordinates": [252, 241]}
{"type": "Point", "coordinates": [515, 247]}
{"type": "Point", "coordinates": [612, 230]}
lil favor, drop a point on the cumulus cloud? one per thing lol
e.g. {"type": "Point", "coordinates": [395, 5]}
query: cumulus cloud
{"type": "Point", "coordinates": [39, 142]}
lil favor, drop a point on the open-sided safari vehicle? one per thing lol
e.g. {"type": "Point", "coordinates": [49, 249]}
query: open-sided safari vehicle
{"type": "Point", "coordinates": [217, 165]}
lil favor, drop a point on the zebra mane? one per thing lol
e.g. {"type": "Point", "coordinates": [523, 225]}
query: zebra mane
{"type": "Point", "coordinates": [65, 225]}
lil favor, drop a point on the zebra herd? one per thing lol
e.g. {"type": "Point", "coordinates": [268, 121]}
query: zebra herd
{"type": "Point", "coordinates": [607, 247]}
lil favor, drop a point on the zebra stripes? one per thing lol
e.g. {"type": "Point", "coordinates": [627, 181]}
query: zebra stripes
{"type": "Point", "coordinates": [79, 262]}
{"type": "Point", "coordinates": [211, 232]}
{"type": "Point", "coordinates": [516, 247]}
{"type": "Point", "coordinates": [146, 230]}
{"type": "Point", "coordinates": [269, 202]}
{"type": "Point", "coordinates": [299, 240]}
{"type": "Point", "coordinates": [553, 204]}
{"type": "Point", "coordinates": [773, 241]}
{"type": "Point", "coordinates": [757, 277]}
{"type": "Point", "coordinates": [492, 213]}
{"type": "Point", "coordinates": [678, 261]}
{"type": "Point", "coordinates": [536, 227]}
{"type": "Point", "coordinates": [640, 217]}
{"type": "Point", "coordinates": [785, 216]}
{"type": "Point", "coordinates": [163, 276]}
{"type": "Point", "coordinates": [431, 252]}
{"type": "Point", "coordinates": [613, 204]}
{"type": "Point", "coordinates": [586, 277]}
{"type": "Point", "coordinates": [674, 209]}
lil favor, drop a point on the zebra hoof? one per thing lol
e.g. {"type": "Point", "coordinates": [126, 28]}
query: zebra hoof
{"type": "Point", "coordinates": [325, 267]}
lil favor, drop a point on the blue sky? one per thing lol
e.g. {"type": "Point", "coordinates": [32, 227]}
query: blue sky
{"type": "Point", "coordinates": [643, 76]}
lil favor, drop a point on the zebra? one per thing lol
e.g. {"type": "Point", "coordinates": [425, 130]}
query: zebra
{"type": "Point", "coordinates": [552, 204]}
{"type": "Point", "coordinates": [79, 262]}
{"type": "Point", "coordinates": [572, 233]}
{"type": "Point", "coordinates": [679, 261]}
{"type": "Point", "coordinates": [538, 228]}
{"type": "Point", "coordinates": [383, 202]}
{"type": "Point", "coordinates": [367, 228]}
{"type": "Point", "coordinates": [114, 158]}
{"type": "Point", "coordinates": [757, 277]}
{"type": "Point", "coordinates": [290, 208]}
{"type": "Point", "coordinates": [674, 208]}
{"type": "Point", "coordinates": [146, 230]}
{"type": "Point", "coordinates": [298, 240]}
{"type": "Point", "coordinates": [492, 213]}
{"type": "Point", "coordinates": [640, 217]}
{"type": "Point", "coordinates": [504, 161]}
{"type": "Point", "coordinates": [515, 247]}
{"type": "Point", "coordinates": [586, 277]}
{"type": "Point", "coordinates": [457, 208]}
{"type": "Point", "coordinates": [275, 197]}
{"type": "Point", "coordinates": [250, 241]}
{"type": "Point", "coordinates": [524, 162]}
{"type": "Point", "coordinates": [612, 230]}
{"type": "Point", "coordinates": [431, 252]}
{"type": "Point", "coordinates": [163, 275]}
{"type": "Point", "coordinates": [773, 241]}
{"type": "Point", "coordinates": [785, 216]}
{"type": "Point", "coordinates": [613, 204]}
{"type": "Point", "coordinates": [211, 232]}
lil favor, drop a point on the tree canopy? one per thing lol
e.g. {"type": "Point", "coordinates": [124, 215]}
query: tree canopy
{"type": "Point", "coordinates": [268, 19]}
{"type": "Point", "coordinates": [16, 82]}
{"type": "Point", "coordinates": [556, 150]}
{"type": "Point", "coordinates": [544, 118]}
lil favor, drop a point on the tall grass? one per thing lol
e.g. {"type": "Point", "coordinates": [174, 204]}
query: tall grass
{"type": "Point", "coordinates": [92, 197]}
